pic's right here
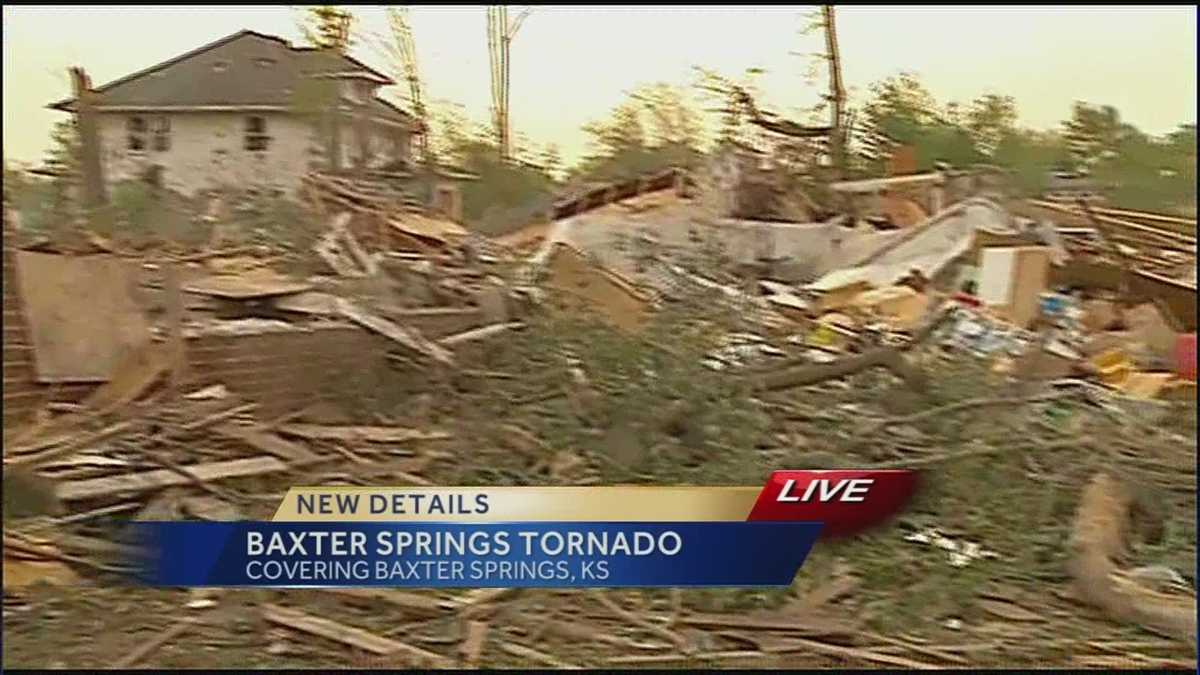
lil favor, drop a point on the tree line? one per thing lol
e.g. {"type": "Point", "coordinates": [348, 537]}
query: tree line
{"type": "Point", "coordinates": [660, 125]}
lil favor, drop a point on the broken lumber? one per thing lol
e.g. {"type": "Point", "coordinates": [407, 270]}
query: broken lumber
{"type": "Point", "coordinates": [413, 602]}
{"type": "Point", "coordinates": [73, 442]}
{"type": "Point", "coordinates": [472, 645]}
{"type": "Point", "coordinates": [883, 357]}
{"type": "Point", "coordinates": [348, 635]}
{"type": "Point", "coordinates": [403, 336]}
{"type": "Point", "coordinates": [360, 434]}
{"type": "Point", "coordinates": [535, 655]}
{"type": "Point", "coordinates": [138, 371]}
{"type": "Point", "coordinates": [147, 648]}
{"type": "Point", "coordinates": [822, 627]}
{"type": "Point", "coordinates": [264, 440]}
{"type": "Point", "coordinates": [476, 334]}
{"type": "Point", "coordinates": [310, 302]}
{"type": "Point", "coordinates": [331, 251]}
{"type": "Point", "coordinates": [160, 478]}
{"type": "Point", "coordinates": [360, 256]}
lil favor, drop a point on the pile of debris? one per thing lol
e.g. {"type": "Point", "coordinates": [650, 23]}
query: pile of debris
{"type": "Point", "coordinates": [638, 337]}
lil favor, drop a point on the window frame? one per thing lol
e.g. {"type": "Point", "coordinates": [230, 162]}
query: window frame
{"type": "Point", "coordinates": [136, 131]}
{"type": "Point", "coordinates": [255, 138]}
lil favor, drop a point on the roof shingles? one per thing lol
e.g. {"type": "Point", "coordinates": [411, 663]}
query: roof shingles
{"type": "Point", "coordinates": [243, 69]}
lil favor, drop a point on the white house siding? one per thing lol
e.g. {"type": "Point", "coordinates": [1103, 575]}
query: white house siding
{"type": "Point", "coordinates": [207, 150]}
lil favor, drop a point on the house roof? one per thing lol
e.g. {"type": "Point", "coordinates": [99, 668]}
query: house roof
{"type": "Point", "coordinates": [241, 70]}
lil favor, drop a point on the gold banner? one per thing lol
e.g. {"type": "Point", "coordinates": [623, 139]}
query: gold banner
{"type": "Point", "coordinates": [499, 504]}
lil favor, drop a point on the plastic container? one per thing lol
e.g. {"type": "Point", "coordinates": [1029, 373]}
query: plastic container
{"type": "Point", "coordinates": [1185, 357]}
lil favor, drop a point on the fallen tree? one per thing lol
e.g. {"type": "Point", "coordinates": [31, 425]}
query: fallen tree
{"type": "Point", "coordinates": [1101, 530]}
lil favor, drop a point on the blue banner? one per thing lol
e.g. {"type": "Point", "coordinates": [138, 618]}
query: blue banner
{"type": "Point", "coordinates": [455, 555]}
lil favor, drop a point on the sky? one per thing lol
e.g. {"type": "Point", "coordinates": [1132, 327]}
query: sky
{"type": "Point", "coordinates": [571, 65]}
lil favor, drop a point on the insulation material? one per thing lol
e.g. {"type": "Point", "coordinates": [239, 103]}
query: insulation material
{"type": "Point", "coordinates": [1011, 280]}
{"type": "Point", "coordinates": [995, 275]}
{"type": "Point", "coordinates": [82, 314]}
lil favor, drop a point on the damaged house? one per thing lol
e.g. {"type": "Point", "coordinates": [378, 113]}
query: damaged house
{"type": "Point", "coordinates": [248, 109]}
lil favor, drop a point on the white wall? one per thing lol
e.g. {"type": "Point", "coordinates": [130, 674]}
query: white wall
{"type": "Point", "coordinates": [207, 150]}
{"type": "Point", "coordinates": [195, 161]}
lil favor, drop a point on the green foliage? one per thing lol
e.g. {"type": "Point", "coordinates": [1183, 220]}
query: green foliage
{"type": "Point", "coordinates": [138, 214]}
{"type": "Point", "coordinates": [506, 195]}
{"type": "Point", "coordinates": [329, 27]}
{"type": "Point", "coordinates": [655, 128]}
{"type": "Point", "coordinates": [1031, 156]}
{"type": "Point", "coordinates": [1142, 172]}
{"type": "Point", "coordinates": [503, 188]}
{"type": "Point", "coordinates": [1149, 173]}
{"type": "Point", "coordinates": [64, 154]}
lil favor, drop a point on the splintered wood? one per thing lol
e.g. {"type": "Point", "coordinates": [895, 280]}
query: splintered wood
{"type": "Point", "coordinates": [403, 336]}
{"type": "Point", "coordinates": [265, 441]}
{"type": "Point", "coordinates": [360, 433]}
{"type": "Point", "coordinates": [351, 636]}
{"type": "Point", "coordinates": [161, 478]}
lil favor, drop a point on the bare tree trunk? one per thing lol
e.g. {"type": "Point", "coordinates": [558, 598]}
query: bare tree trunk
{"type": "Point", "coordinates": [90, 166]}
{"type": "Point", "coordinates": [837, 95]}
{"type": "Point", "coordinates": [885, 357]}
{"type": "Point", "coordinates": [506, 139]}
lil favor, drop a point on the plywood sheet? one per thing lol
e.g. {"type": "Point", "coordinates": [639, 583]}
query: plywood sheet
{"type": "Point", "coordinates": [246, 287]}
{"type": "Point", "coordinates": [1031, 276]}
{"type": "Point", "coordinates": [83, 318]}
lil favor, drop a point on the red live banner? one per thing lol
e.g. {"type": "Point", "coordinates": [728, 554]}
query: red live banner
{"type": "Point", "coordinates": [845, 501]}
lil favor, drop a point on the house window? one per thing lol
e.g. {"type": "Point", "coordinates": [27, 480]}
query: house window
{"type": "Point", "coordinates": [136, 128]}
{"type": "Point", "coordinates": [257, 139]}
{"type": "Point", "coordinates": [162, 134]}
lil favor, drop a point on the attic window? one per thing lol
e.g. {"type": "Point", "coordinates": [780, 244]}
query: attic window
{"type": "Point", "coordinates": [265, 62]}
{"type": "Point", "coordinates": [136, 128]}
{"type": "Point", "coordinates": [257, 139]}
{"type": "Point", "coordinates": [221, 66]}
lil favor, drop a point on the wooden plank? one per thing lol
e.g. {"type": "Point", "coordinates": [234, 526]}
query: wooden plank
{"type": "Point", "coordinates": [74, 438]}
{"type": "Point", "coordinates": [482, 333]}
{"type": "Point", "coordinates": [246, 288]}
{"type": "Point", "coordinates": [310, 302]}
{"type": "Point", "coordinates": [404, 336]}
{"type": "Point", "coordinates": [421, 604]}
{"type": "Point", "coordinates": [174, 302]}
{"type": "Point", "coordinates": [160, 478]}
{"type": "Point", "coordinates": [265, 441]}
{"type": "Point", "coordinates": [81, 313]}
{"type": "Point", "coordinates": [360, 434]}
{"type": "Point", "coordinates": [135, 374]}
{"type": "Point", "coordinates": [348, 635]}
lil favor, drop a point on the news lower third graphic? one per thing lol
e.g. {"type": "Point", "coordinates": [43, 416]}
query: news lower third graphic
{"type": "Point", "coordinates": [527, 537]}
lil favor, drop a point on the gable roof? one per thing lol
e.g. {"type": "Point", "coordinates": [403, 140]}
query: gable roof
{"type": "Point", "coordinates": [259, 70]}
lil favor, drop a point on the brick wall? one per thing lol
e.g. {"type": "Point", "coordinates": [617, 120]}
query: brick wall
{"type": "Point", "coordinates": [282, 372]}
